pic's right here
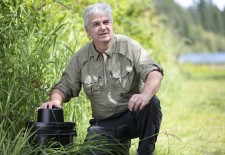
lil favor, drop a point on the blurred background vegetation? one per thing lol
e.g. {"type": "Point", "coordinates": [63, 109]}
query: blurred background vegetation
{"type": "Point", "coordinates": [37, 39]}
{"type": "Point", "coordinates": [201, 26]}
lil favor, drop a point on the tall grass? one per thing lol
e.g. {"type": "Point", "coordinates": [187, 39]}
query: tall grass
{"type": "Point", "coordinates": [31, 61]}
{"type": "Point", "coordinates": [34, 53]}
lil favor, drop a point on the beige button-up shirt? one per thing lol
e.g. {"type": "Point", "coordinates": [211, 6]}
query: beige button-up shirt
{"type": "Point", "coordinates": [110, 79]}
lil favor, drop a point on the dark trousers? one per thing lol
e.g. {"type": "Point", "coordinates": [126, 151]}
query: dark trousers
{"type": "Point", "coordinates": [120, 129]}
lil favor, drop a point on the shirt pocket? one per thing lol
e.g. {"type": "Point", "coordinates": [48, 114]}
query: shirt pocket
{"type": "Point", "coordinates": [127, 77]}
{"type": "Point", "coordinates": [92, 89]}
{"type": "Point", "coordinates": [123, 80]}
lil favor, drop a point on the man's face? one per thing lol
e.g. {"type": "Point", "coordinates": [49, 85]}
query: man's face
{"type": "Point", "coordinates": [100, 28]}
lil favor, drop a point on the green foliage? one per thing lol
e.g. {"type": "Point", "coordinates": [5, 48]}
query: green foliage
{"type": "Point", "coordinates": [28, 54]}
{"type": "Point", "coordinates": [202, 25]}
{"type": "Point", "coordinates": [203, 41]}
{"type": "Point", "coordinates": [203, 71]}
{"type": "Point", "coordinates": [33, 55]}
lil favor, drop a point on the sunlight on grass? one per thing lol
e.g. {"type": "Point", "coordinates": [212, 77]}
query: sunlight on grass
{"type": "Point", "coordinates": [196, 117]}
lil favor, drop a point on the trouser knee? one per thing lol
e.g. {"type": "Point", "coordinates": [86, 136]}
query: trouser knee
{"type": "Point", "coordinates": [154, 108]}
{"type": "Point", "coordinates": [155, 102]}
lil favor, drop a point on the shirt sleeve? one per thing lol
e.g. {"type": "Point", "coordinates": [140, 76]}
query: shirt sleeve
{"type": "Point", "coordinates": [144, 64]}
{"type": "Point", "coordinates": [70, 83]}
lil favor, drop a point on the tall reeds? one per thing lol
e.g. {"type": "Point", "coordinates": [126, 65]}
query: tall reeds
{"type": "Point", "coordinates": [35, 47]}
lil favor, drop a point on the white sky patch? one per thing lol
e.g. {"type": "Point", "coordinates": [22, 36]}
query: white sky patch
{"type": "Point", "coordinates": [187, 3]}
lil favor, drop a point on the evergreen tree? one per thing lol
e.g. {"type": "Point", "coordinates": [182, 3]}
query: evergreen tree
{"type": "Point", "coordinates": [223, 18]}
{"type": "Point", "coordinates": [201, 24]}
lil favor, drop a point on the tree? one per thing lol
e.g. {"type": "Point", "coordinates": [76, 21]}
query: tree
{"type": "Point", "coordinates": [202, 16]}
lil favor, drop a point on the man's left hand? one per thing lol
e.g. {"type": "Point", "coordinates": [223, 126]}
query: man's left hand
{"type": "Point", "coordinates": [138, 102]}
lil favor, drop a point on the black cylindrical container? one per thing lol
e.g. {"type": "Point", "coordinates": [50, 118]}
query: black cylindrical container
{"type": "Point", "coordinates": [50, 115]}
{"type": "Point", "coordinates": [50, 127]}
{"type": "Point", "coordinates": [45, 133]}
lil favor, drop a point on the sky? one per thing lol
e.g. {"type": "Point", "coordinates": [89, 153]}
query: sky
{"type": "Point", "coordinates": [186, 3]}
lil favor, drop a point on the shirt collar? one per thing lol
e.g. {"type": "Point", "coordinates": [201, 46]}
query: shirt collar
{"type": "Point", "coordinates": [94, 52]}
{"type": "Point", "coordinates": [108, 51]}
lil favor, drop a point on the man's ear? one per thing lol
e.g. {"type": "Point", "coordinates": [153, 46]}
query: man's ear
{"type": "Point", "coordinates": [87, 32]}
{"type": "Point", "coordinates": [86, 29]}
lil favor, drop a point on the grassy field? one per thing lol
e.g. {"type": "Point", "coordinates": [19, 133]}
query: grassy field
{"type": "Point", "coordinates": [194, 117]}
{"type": "Point", "coordinates": [194, 122]}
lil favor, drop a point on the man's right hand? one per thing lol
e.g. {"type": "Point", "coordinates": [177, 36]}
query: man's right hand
{"type": "Point", "coordinates": [50, 105]}
{"type": "Point", "coordinates": [57, 98]}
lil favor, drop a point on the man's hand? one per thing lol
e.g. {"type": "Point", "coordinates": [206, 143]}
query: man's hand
{"type": "Point", "coordinates": [138, 102]}
{"type": "Point", "coordinates": [151, 86]}
{"type": "Point", "coordinates": [50, 105]}
{"type": "Point", "coordinates": [57, 98]}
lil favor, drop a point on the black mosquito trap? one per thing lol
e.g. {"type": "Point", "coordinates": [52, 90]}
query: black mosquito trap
{"type": "Point", "coordinates": [50, 128]}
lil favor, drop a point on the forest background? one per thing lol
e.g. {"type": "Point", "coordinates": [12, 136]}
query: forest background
{"type": "Point", "coordinates": [200, 27]}
{"type": "Point", "coordinates": [37, 39]}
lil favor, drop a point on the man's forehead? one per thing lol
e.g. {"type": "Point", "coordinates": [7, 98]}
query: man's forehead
{"type": "Point", "coordinates": [99, 17]}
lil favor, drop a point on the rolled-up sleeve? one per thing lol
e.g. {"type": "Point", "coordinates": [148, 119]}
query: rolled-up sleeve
{"type": "Point", "coordinates": [144, 64]}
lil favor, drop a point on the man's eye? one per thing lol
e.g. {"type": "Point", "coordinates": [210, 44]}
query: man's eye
{"type": "Point", "coordinates": [106, 22]}
{"type": "Point", "coordinates": [95, 24]}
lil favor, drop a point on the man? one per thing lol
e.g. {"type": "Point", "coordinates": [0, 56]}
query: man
{"type": "Point", "coordinates": [119, 78]}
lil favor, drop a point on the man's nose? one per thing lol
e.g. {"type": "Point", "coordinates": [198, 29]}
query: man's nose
{"type": "Point", "coordinates": [102, 26]}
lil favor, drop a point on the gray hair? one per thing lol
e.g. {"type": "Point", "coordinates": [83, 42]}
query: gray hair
{"type": "Point", "coordinates": [95, 9]}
